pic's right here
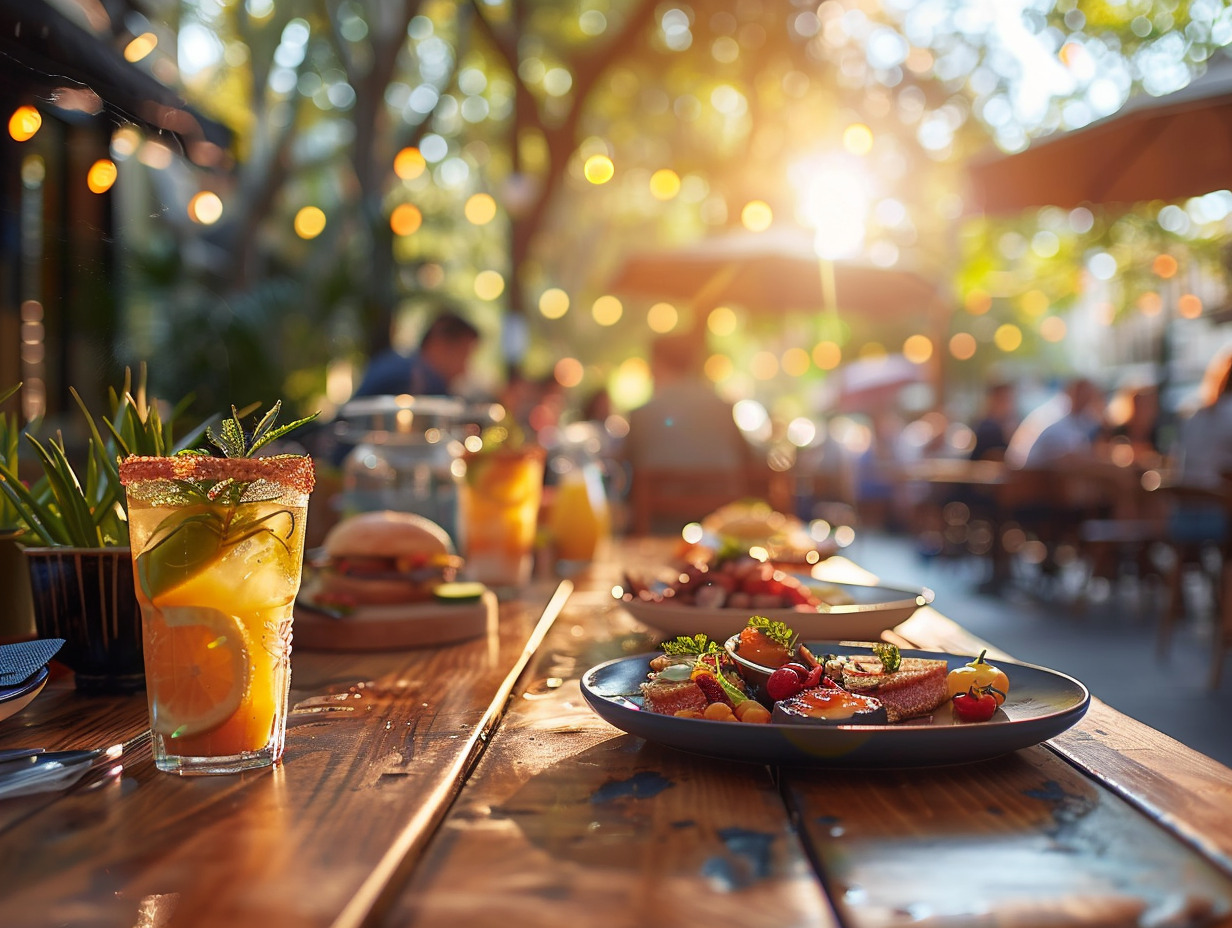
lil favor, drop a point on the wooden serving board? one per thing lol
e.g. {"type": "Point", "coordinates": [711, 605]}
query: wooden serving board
{"type": "Point", "coordinates": [384, 628]}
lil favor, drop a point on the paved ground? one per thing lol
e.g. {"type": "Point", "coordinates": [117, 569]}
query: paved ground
{"type": "Point", "coordinates": [1105, 637]}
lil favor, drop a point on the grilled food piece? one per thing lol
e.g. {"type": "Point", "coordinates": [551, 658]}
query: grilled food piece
{"type": "Point", "coordinates": [916, 688]}
{"type": "Point", "coordinates": [830, 706]}
{"type": "Point", "coordinates": [667, 697]}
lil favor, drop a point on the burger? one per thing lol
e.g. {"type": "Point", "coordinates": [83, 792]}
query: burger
{"type": "Point", "coordinates": [383, 558]}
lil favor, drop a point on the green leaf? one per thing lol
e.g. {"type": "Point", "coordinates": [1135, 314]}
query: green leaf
{"type": "Point", "coordinates": [75, 516]}
{"type": "Point", "coordinates": [36, 516]}
{"type": "Point", "coordinates": [279, 432]}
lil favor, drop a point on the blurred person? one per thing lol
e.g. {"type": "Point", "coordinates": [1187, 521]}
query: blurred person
{"type": "Point", "coordinates": [1065, 426]}
{"type": "Point", "coordinates": [1203, 451]}
{"type": "Point", "coordinates": [1201, 459]}
{"type": "Point", "coordinates": [1133, 422]}
{"type": "Point", "coordinates": [995, 426]}
{"type": "Point", "coordinates": [434, 369]}
{"type": "Point", "coordinates": [879, 485]}
{"type": "Point", "coordinates": [685, 424]}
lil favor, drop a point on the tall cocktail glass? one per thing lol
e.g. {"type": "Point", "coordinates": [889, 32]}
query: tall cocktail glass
{"type": "Point", "coordinates": [498, 513]}
{"type": "Point", "coordinates": [218, 548]}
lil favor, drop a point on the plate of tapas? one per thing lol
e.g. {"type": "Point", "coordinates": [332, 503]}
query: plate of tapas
{"type": "Point", "coordinates": [825, 703]}
{"type": "Point", "coordinates": [717, 597]}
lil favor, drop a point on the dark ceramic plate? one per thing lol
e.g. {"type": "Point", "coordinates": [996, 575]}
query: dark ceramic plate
{"type": "Point", "coordinates": [15, 698]}
{"type": "Point", "coordinates": [1042, 703]}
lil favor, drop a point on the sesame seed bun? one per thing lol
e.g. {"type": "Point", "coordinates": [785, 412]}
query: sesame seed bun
{"type": "Point", "coordinates": [385, 557]}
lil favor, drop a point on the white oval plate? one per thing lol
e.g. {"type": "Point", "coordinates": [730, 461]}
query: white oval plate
{"type": "Point", "coordinates": [875, 609]}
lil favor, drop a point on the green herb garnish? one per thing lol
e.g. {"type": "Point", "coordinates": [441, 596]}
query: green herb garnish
{"type": "Point", "coordinates": [222, 518]}
{"type": "Point", "coordinates": [733, 693]}
{"type": "Point", "coordinates": [698, 644]}
{"type": "Point", "coordinates": [775, 631]}
{"type": "Point", "coordinates": [889, 656]}
{"type": "Point", "coordinates": [233, 442]}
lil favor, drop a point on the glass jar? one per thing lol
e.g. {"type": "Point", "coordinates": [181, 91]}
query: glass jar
{"type": "Point", "coordinates": [401, 457]}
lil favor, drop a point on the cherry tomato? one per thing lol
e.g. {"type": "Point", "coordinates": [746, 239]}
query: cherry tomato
{"type": "Point", "coordinates": [801, 671]}
{"type": "Point", "coordinates": [783, 683]}
{"type": "Point", "coordinates": [976, 705]}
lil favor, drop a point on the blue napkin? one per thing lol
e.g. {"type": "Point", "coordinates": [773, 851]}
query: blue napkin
{"type": "Point", "coordinates": [19, 662]}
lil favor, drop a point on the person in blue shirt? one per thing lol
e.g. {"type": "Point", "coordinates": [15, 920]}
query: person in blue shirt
{"type": "Point", "coordinates": [442, 357]}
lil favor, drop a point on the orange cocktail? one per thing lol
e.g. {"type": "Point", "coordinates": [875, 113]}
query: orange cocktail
{"type": "Point", "coordinates": [218, 547]}
{"type": "Point", "coordinates": [498, 513]}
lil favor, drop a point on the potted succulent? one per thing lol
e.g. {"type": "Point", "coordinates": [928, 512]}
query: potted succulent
{"type": "Point", "coordinates": [74, 530]}
{"type": "Point", "coordinates": [16, 615]}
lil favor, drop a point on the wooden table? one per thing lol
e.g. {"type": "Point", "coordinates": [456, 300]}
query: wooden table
{"type": "Point", "coordinates": [471, 785]}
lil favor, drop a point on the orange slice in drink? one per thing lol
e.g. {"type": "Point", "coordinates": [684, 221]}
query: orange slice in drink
{"type": "Point", "coordinates": [196, 670]}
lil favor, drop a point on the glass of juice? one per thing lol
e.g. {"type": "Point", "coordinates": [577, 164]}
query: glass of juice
{"type": "Point", "coordinates": [498, 513]}
{"type": "Point", "coordinates": [218, 547]}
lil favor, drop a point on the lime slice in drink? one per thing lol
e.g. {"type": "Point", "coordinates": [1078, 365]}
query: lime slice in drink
{"type": "Point", "coordinates": [181, 547]}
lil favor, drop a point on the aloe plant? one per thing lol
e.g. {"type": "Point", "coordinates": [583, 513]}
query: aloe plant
{"type": "Point", "coordinates": [86, 508]}
{"type": "Point", "coordinates": [10, 436]}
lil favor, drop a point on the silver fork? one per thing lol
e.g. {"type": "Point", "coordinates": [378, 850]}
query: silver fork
{"type": "Point", "coordinates": [33, 770]}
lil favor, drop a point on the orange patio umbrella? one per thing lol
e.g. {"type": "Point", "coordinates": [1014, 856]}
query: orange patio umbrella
{"type": "Point", "coordinates": [775, 272]}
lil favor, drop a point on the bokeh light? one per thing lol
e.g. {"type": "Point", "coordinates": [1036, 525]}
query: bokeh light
{"type": "Point", "coordinates": [140, 47]}
{"type": "Point", "coordinates": [977, 302]}
{"type": "Point", "coordinates": [1189, 306]}
{"type": "Point", "coordinates": [309, 222]}
{"type": "Point", "coordinates": [962, 346]}
{"type": "Point", "coordinates": [489, 284]}
{"type": "Point", "coordinates": [568, 372]}
{"type": "Point", "coordinates": [1008, 337]}
{"type": "Point", "coordinates": [1165, 266]}
{"type": "Point", "coordinates": [1053, 329]}
{"type": "Point", "coordinates": [918, 348]}
{"type": "Point", "coordinates": [409, 163]}
{"type": "Point", "coordinates": [664, 184]}
{"type": "Point", "coordinates": [718, 367]}
{"type": "Point", "coordinates": [607, 310]}
{"type": "Point", "coordinates": [827, 355]}
{"type": "Point", "coordinates": [662, 318]}
{"type": "Point", "coordinates": [101, 176]}
{"type": "Point", "coordinates": [795, 362]}
{"type": "Point", "coordinates": [24, 123]}
{"type": "Point", "coordinates": [1035, 302]}
{"type": "Point", "coordinates": [553, 303]}
{"type": "Point", "coordinates": [756, 216]}
{"type": "Point", "coordinates": [599, 169]}
{"type": "Point", "coordinates": [480, 209]}
{"type": "Point", "coordinates": [858, 139]}
{"type": "Point", "coordinates": [405, 219]}
{"type": "Point", "coordinates": [205, 208]}
{"type": "Point", "coordinates": [721, 321]}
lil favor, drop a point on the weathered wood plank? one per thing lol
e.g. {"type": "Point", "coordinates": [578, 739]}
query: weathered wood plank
{"type": "Point", "coordinates": [567, 821]}
{"type": "Point", "coordinates": [1020, 840]}
{"type": "Point", "coordinates": [379, 742]}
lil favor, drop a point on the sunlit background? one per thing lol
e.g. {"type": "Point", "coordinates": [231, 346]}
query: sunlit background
{"type": "Point", "coordinates": [341, 170]}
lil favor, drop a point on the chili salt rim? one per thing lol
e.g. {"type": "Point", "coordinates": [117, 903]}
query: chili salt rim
{"type": "Point", "coordinates": [295, 472]}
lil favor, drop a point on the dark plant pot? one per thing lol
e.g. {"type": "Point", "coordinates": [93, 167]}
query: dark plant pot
{"type": "Point", "coordinates": [16, 613]}
{"type": "Point", "coordinates": [86, 597]}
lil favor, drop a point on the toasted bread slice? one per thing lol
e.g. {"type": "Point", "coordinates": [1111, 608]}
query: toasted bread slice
{"type": "Point", "coordinates": [916, 688]}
